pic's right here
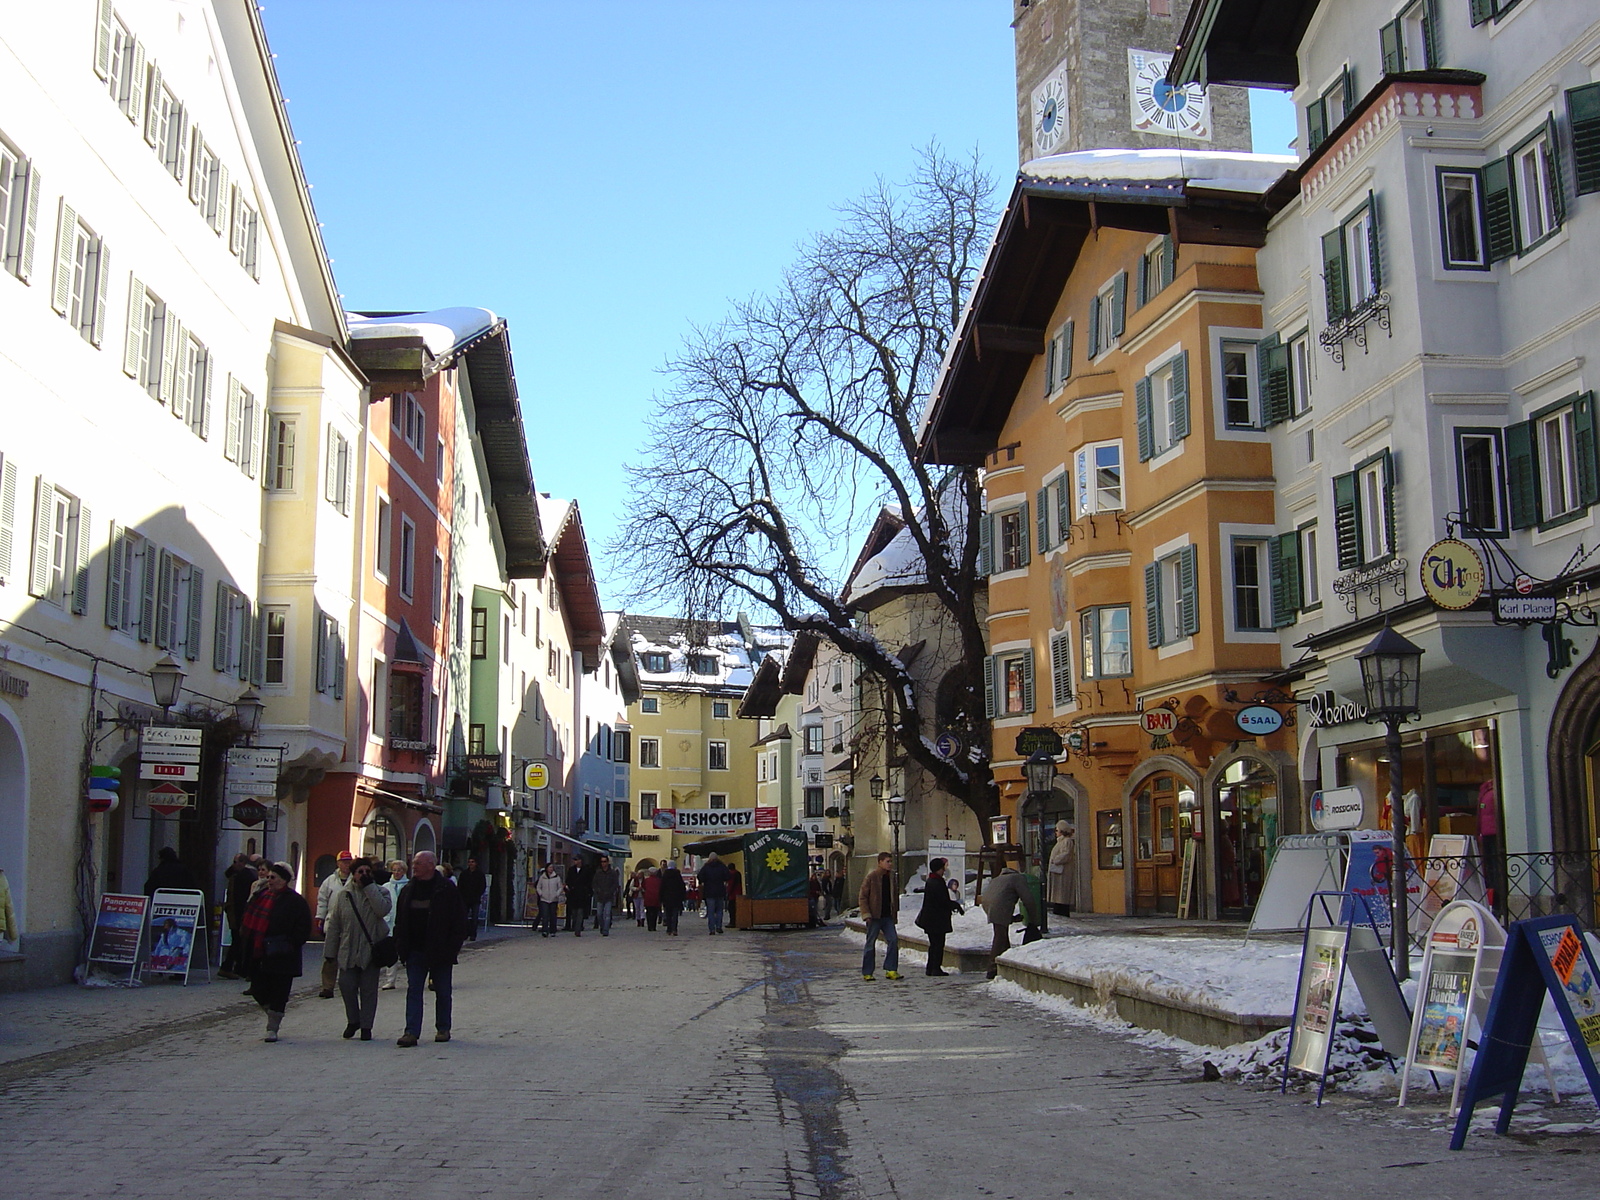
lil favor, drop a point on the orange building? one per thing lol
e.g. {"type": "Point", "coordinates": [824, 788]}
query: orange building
{"type": "Point", "coordinates": [1108, 380]}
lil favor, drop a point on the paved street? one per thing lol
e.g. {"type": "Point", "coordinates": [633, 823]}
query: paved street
{"type": "Point", "coordinates": [755, 1065]}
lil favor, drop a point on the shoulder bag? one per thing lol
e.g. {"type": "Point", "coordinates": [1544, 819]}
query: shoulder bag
{"type": "Point", "coordinates": [384, 951]}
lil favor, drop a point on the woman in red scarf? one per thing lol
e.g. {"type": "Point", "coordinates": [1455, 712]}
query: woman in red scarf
{"type": "Point", "coordinates": [276, 924]}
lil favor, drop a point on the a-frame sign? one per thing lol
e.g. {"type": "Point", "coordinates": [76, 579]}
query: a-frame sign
{"type": "Point", "coordinates": [1546, 955]}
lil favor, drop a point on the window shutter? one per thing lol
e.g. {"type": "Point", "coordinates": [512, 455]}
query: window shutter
{"type": "Point", "coordinates": [1152, 603]}
{"type": "Point", "coordinates": [80, 574]}
{"type": "Point", "coordinates": [30, 225]}
{"type": "Point", "coordinates": [1584, 448]}
{"type": "Point", "coordinates": [1283, 555]}
{"type": "Point", "coordinates": [1063, 507]}
{"type": "Point", "coordinates": [136, 81]}
{"type": "Point", "coordinates": [66, 243]}
{"type": "Point", "coordinates": [258, 650]}
{"type": "Point", "coordinates": [102, 40]}
{"type": "Point", "coordinates": [171, 331]}
{"type": "Point", "coordinates": [246, 636]}
{"type": "Point", "coordinates": [1051, 351]}
{"type": "Point", "coordinates": [1499, 209]}
{"type": "Point", "coordinates": [152, 110]}
{"type": "Point", "coordinates": [1027, 680]}
{"type": "Point", "coordinates": [1061, 668]}
{"type": "Point", "coordinates": [182, 376]}
{"type": "Point", "coordinates": [44, 506]}
{"type": "Point", "coordinates": [235, 221]}
{"type": "Point", "coordinates": [988, 686]}
{"type": "Point", "coordinates": [1141, 283]}
{"type": "Point", "coordinates": [147, 597]}
{"type": "Point", "coordinates": [1272, 364]}
{"type": "Point", "coordinates": [1333, 274]}
{"type": "Point", "coordinates": [1316, 125]}
{"type": "Point", "coordinates": [1482, 10]}
{"type": "Point", "coordinates": [1346, 521]}
{"type": "Point", "coordinates": [1374, 242]}
{"type": "Point", "coordinates": [1119, 304]}
{"type": "Point", "coordinates": [1142, 414]}
{"type": "Point", "coordinates": [338, 661]}
{"type": "Point", "coordinates": [985, 544]}
{"type": "Point", "coordinates": [1169, 259]}
{"type": "Point", "coordinates": [1180, 396]}
{"type": "Point", "coordinates": [218, 216]}
{"type": "Point", "coordinates": [1347, 82]}
{"type": "Point", "coordinates": [164, 600]}
{"type": "Point", "coordinates": [1188, 590]}
{"type": "Point", "coordinates": [1064, 365]}
{"type": "Point", "coordinates": [1583, 114]}
{"type": "Point", "coordinates": [133, 347]}
{"type": "Point", "coordinates": [197, 183]}
{"type": "Point", "coordinates": [8, 515]}
{"type": "Point", "coordinates": [1558, 170]}
{"type": "Point", "coordinates": [1093, 350]}
{"type": "Point", "coordinates": [204, 365]}
{"type": "Point", "coordinates": [102, 284]}
{"type": "Point", "coordinates": [1023, 555]}
{"type": "Point", "coordinates": [1391, 40]}
{"type": "Point", "coordinates": [1522, 478]}
{"type": "Point", "coordinates": [176, 152]}
{"type": "Point", "coordinates": [219, 629]}
{"type": "Point", "coordinates": [1389, 541]}
{"type": "Point", "coordinates": [231, 443]}
{"type": "Point", "coordinates": [330, 472]}
{"type": "Point", "coordinates": [1041, 509]}
{"type": "Point", "coordinates": [320, 623]}
{"type": "Point", "coordinates": [1430, 35]}
{"type": "Point", "coordinates": [191, 632]}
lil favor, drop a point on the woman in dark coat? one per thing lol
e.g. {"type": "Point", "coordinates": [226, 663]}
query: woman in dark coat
{"type": "Point", "coordinates": [276, 925]}
{"type": "Point", "coordinates": [934, 919]}
{"type": "Point", "coordinates": [673, 891]}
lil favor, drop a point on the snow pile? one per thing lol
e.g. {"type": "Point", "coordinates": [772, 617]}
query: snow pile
{"type": "Point", "coordinates": [441, 330]}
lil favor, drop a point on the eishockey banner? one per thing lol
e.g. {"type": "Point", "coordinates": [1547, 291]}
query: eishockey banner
{"type": "Point", "coordinates": [716, 820]}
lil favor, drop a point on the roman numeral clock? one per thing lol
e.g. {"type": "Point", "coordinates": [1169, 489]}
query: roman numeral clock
{"type": "Point", "coordinates": [1159, 108]}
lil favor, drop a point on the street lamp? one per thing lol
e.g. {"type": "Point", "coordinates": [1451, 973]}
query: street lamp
{"type": "Point", "coordinates": [1391, 674]}
{"type": "Point", "coordinates": [166, 681]}
{"type": "Point", "coordinates": [896, 808]}
{"type": "Point", "coordinates": [1040, 770]}
{"type": "Point", "coordinates": [875, 784]}
{"type": "Point", "coordinates": [247, 711]}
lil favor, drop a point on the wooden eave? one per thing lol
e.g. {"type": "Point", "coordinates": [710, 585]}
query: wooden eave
{"type": "Point", "coordinates": [580, 595]}
{"type": "Point", "coordinates": [762, 697]}
{"type": "Point", "coordinates": [1243, 43]}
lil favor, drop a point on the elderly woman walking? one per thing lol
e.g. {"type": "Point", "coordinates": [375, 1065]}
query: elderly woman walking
{"type": "Point", "coordinates": [356, 923]}
{"type": "Point", "coordinates": [276, 925]}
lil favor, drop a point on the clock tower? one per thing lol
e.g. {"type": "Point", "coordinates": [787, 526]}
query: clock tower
{"type": "Point", "coordinates": [1090, 76]}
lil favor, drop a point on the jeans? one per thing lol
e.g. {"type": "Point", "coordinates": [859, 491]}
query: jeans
{"type": "Point", "coordinates": [417, 989]}
{"type": "Point", "coordinates": [547, 916]}
{"type": "Point", "coordinates": [891, 945]}
{"type": "Point", "coordinates": [577, 914]}
{"type": "Point", "coordinates": [359, 987]}
{"type": "Point", "coordinates": [716, 909]}
{"type": "Point", "coordinates": [602, 909]}
{"type": "Point", "coordinates": [670, 914]}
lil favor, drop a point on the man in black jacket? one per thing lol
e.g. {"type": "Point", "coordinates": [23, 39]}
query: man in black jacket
{"type": "Point", "coordinates": [472, 883]}
{"type": "Point", "coordinates": [430, 923]}
{"type": "Point", "coordinates": [580, 880]}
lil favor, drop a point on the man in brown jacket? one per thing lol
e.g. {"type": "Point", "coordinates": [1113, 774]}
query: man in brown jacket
{"type": "Point", "coordinates": [879, 908]}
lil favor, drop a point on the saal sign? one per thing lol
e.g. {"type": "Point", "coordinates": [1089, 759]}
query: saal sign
{"type": "Point", "coordinates": [1452, 574]}
{"type": "Point", "coordinates": [1259, 720]}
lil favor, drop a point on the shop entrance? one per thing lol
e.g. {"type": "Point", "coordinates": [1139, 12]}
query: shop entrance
{"type": "Point", "coordinates": [1039, 828]}
{"type": "Point", "coordinates": [1247, 828]}
{"type": "Point", "coordinates": [1158, 843]}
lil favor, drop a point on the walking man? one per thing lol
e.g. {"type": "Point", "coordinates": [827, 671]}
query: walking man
{"type": "Point", "coordinates": [429, 928]}
{"type": "Point", "coordinates": [714, 878]}
{"type": "Point", "coordinates": [879, 908]}
{"type": "Point", "coordinates": [1000, 898]}
{"type": "Point", "coordinates": [472, 884]}
{"type": "Point", "coordinates": [604, 888]}
{"type": "Point", "coordinates": [327, 890]}
{"type": "Point", "coordinates": [673, 890]}
{"type": "Point", "coordinates": [579, 877]}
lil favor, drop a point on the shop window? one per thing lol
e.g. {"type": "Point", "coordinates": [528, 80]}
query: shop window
{"type": "Point", "coordinates": [381, 840]}
{"type": "Point", "coordinates": [1107, 642]}
{"type": "Point", "coordinates": [1551, 470]}
{"type": "Point", "coordinates": [1363, 511]}
{"type": "Point", "coordinates": [1008, 683]}
{"type": "Point", "coordinates": [1247, 827]}
{"type": "Point", "coordinates": [1324, 114]}
{"type": "Point", "coordinates": [1058, 359]}
{"type": "Point", "coordinates": [1171, 598]}
{"type": "Point", "coordinates": [1108, 839]}
{"type": "Point", "coordinates": [1161, 405]}
{"type": "Point", "coordinates": [1097, 477]}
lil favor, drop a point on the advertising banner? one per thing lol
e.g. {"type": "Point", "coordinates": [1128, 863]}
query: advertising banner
{"type": "Point", "coordinates": [716, 820]}
{"type": "Point", "coordinates": [955, 850]}
{"type": "Point", "coordinates": [1321, 966]}
{"type": "Point", "coordinates": [117, 929]}
{"type": "Point", "coordinates": [775, 865]}
{"type": "Point", "coordinates": [1442, 1025]}
{"type": "Point", "coordinates": [174, 917]}
{"type": "Point", "coordinates": [1367, 874]}
{"type": "Point", "coordinates": [767, 818]}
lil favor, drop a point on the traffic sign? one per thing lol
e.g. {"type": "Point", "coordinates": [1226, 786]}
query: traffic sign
{"type": "Point", "coordinates": [535, 776]}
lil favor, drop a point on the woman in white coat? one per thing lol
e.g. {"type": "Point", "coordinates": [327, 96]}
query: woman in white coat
{"type": "Point", "coordinates": [1063, 885]}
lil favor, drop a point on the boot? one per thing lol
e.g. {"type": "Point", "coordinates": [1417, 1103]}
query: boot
{"type": "Point", "coordinates": [274, 1019]}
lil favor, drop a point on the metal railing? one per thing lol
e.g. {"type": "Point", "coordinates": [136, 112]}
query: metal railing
{"type": "Point", "coordinates": [1514, 886]}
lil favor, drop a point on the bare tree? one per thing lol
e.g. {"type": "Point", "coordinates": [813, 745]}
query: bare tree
{"type": "Point", "coordinates": [787, 426]}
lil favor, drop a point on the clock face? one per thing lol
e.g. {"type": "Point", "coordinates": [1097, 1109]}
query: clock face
{"type": "Point", "coordinates": [1050, 114]}
{"type": "Point", "coordinates": [1158, 107]}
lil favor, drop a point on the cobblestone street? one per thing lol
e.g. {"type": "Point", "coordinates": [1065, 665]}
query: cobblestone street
{"type": "Point", "coordinates": [757, 1065]}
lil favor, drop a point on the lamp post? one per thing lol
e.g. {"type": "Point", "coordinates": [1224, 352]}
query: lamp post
{"type": "Point", "coordinates": [1391, 675]}
{"type": "Point", "coordinates": [166, 681]}
{"type": "Point", "coordinates": [247, 710]}
{"type": "Point", "coordinates": [896, 808]}
{"type": "Point", "coordinates": [1040, 770]}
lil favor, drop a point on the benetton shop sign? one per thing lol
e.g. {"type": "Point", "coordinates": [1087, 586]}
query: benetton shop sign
{"type": "Point", "coordinates": [1324, 710]}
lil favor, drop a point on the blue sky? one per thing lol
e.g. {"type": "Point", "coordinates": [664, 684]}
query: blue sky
{"type": "Point", "coordinates": [607, 176]}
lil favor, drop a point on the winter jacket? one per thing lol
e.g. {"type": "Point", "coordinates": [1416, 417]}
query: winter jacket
{"type": "Point", "coordinates": [550, 888]}
{"type": "Point", "coordinates": [714, 877]}
{"type": "Point", "coordinates": [288, 929]}
{"type": "Point", "coordinates": [673, 888]}
{"type": "Point", "coordinates": [652, 890]}
{"type": "Point", "coordinates": [393, 887]}
{"type": "Point", "coordinates": [579, 879]}
{"type": "Point", "coordinates": [326, 890]}
{"type": "Point", "coordinates": [937, 905]}
{"type": "Point", "coordinates": [878, 881]}
{"type": "Point", "coordinates": [346, 938]}
{"type": "Point", "coordinates": [473, 883]}
{"type": "Point", "coordinates": [241, 879]}
{"type": "Point", "coordinates": [172, 876]}
{"type": "Point", "coordinates": [1001, 894]}
{"type": "Point", "coordinates": [605, 885]}
{"type": "Point", "coordinates": [447, 923]}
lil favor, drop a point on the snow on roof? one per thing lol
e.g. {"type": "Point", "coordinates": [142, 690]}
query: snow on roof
{"type": "Point", "coordinates": [899, 564]}
{"type": "Point", "coordinates": [722, 642]}
{"type": "Point", "coordinates": [1218, 169]}
{"type": "Point", "coordinates": [441, 330]}
{"type": "Point", "coordinates": [552, 516]}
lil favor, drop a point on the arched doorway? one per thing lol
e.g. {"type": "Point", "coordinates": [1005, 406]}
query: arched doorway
{"type": "Point", "coordinates": [1574, 761]}
{"type": "Point", "coordinates": [422, 838]}
{"type": "Point", "coordinates": [1245, 819]}
{"type": "Point", "coordinates": [382, 840]}
{"type": "Point", "coordinates": [13, 816]}
{"type": "Point", "coordinates": [1039, 817]}
{"type": "Point", "coordinates": [1161, 803]}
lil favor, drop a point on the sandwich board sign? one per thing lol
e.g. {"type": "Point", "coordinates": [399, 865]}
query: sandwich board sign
{"type": "Point", "coordinates": [177, 927]}
{"type": "Point", "coordinates": [1545, 956]}
{"type": "Point", "coordinates": [118, 932]}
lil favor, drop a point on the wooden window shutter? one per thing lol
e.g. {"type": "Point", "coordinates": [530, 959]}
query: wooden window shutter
{"type": "Point", "coordinates": [1180, 396]}
{"type": "Point", "coordinates": [330, 472]}
{"type": "Point", "coordinates": [1027, 680]}
{"type": "Point", "coordinates": [1482, 10]}
{"type": "Point", "coordinates": [1374, 242]}
{"type": "Point", "coordinates": [1391, 545]}
{"type": "Point", "coordinates": [1144, 419]}
{"type": "Point", "coordinates": [1558, 170]}
{"type": "Point", "coordinates": [1583, 114]}
{"type": "Point", "coordinates": [1316, 124]}
{"type": "Point", "coordinates": [220, 627]}
{"type": "Point", "coordinates": [136, 82]}
{"type": "Point", "coordinates": [320, 623]}
{"type": "Point", "coordinates": [1063, 507]}
{"type": "Point", "coordinates": [985, 544]}
{"type": "Point", "coordinates": [1051, 350]}
{"type": "Point", "coordinates": [44, 512]}
{"type": "Point", "coordinates": [171, 335]}
{"type": "Point", "coordinates": [338, 661]}
{"type": "Point", "coordinates": [80, 573]}
{"type": "Point", "coordinates": [1500, 210]}
{"type": "Point", "coordinates": [1188, 590]}
{"type": "Point", "coordinates": [197, 183]}
{"type": "Point", "coordinates": [1346, 521]}
{"type": "Point", "coordinates": [988, 685]}
{"type": "Point", "coordinates": [102, 39]}
{"type": "Point", "coordinates": [258, 649]}
{"type": "Point", "coordinates": [182, 376]}
{"type": "Point", "coordinates": [133, 345]}
{"type": "Point", "coordinates": [1272, 365]}
{"type": "Point", "coordinates": [1065, 363]}
{"type": "Point", "coordinates": [246, 635]}
{"type": "Point", "coordinates": [218, 215]}
{"type": "Point", "coordinates": [147, 598]}
{"type": "Point", "coordinates": [1283, 555]}
{"type": "Point", "coordinates": [1061, 668]}
{"type": "Point", "coordinates": [1430, 35]}
{"type": "Point", "coordinates": [8, 516]}
{"type": "Point", "coordinates": [164, 599]}
{"type": "Point", "coordinates": [152, 110]}
{"type": "Point", "coordinates": [1152, 604]}
{"type": "Point", "coordinates": [235, 221]}
{"type": "Point", "coordinates": [1584, 448]}
{"type": "Point", "coordinates": [66, 246]}
{"type": "Point", "coordinates": [1119, 304]}
{"type": "Point", "coordinates": [1333, 274]}
{"type": "Point", "coordinates": [102, 285]}
{"type": "Point", "coordinates": [1093, 349]}
{"type": "Point", "coordinates": [191, 632]}
{"type": "Point", "coordinates": [1141, 283]}
{"type": "Point", "coordinates": [1169, 259]}
{"type": "Point", "coordinates": [203, 422]}
{"type": "Point", "coordinates": [1023, 555]}
{"type": "Point", "coordinates": [30, 225]}
{"type": "Point", "coordinates": [1347, 84]}
{"type": "Point", "coordinates": [1041, 509]}
{"type": "Point", "coordinates": [1391, 40]}
{"type": "Point", "coordinates": [1522, 476]}
{"type": "Point", "coordinates": [231, 447]}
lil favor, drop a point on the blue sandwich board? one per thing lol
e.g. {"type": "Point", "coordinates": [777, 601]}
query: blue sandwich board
{"type": "Point", "coordinates": [1547, 955]}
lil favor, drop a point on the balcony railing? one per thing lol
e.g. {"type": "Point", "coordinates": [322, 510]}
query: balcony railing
{"type": "Point", "coordinates": [1514, 886]}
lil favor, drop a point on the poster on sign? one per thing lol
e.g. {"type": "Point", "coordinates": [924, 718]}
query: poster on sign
{"type": "Point", "coordinates": [175, 923]}
{"type": "Point", "coordinates": [954, 852]}
{"type": "Point", "coordinates": [767, 818]}
{"type": "Point", "coordinates": [1442, 1021]}
{"type": "Point", "coordinates": [1320, 969]}
{"type": "Point", "coordinates": [1367, 873]}
{"type": "Point", "coordinates": [118, 929]}
{"type": "Point", "coordinates": [716, 820]}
